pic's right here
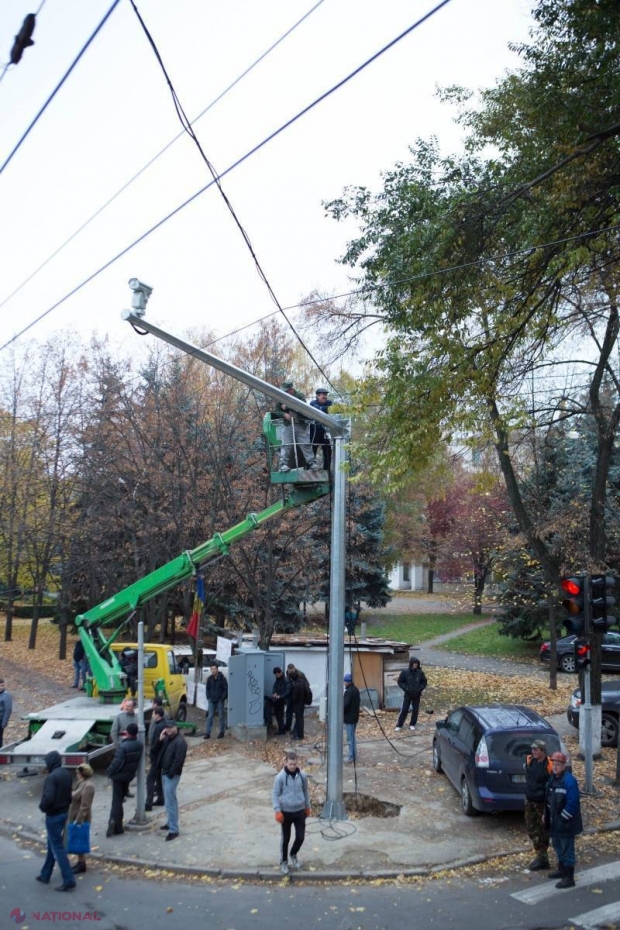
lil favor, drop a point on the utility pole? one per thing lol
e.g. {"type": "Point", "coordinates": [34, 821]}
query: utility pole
{"type": "Point", "coordinates": [339, 429]}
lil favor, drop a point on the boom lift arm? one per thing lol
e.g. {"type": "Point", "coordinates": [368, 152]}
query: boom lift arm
{"type": "Point", "coordinates": [105, 667]}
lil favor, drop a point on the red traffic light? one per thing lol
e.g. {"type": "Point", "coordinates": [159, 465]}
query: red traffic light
{"type": "Point", "coordinates": [570, 586]}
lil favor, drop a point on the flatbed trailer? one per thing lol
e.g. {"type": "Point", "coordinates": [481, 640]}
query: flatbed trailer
{"type": "Point", "coordinates": [79, 729]}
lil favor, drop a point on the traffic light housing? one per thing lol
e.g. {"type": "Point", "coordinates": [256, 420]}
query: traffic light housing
{"type": "Point", "coordinates": [573, 603]}
{"type": "Point", "coordinates": [601, 601]}
{"type": "Point", "coordinates": [582, 654]}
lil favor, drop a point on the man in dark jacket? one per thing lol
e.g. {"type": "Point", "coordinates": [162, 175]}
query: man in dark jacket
{"type": "Point", "coordinates": [172, 760]}
{"type": "Point", "coordinates": [217, 692]}
{"type": "Point", "coordinates": [276, 702]}
{"type": "Point", "coordinates": [55, 803]}
{"type": "Point", "coordinates": [297, 702]}
{"type": "Point", "coordinates": [413, 682]}
{"type": "Point", "coordinates": [154, 787]}
{"type": "Point", "coordinates": [538, 769]}
{"type": "Point", "coordinates": [351, 714]}
{"type": "Point", "coordinates": [121, 771]}
{"type": "Point", "coordinates": [79, 664]}
{"type": "Point", "coordinates": [563, 819]}
{"type": "Point", "coordinates": [318, 436]}
{"type": "Point", "coordinates": [289, 704]}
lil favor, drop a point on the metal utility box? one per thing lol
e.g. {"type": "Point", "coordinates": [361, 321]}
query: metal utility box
{"type": "Point", "coordinates": [250, 677]}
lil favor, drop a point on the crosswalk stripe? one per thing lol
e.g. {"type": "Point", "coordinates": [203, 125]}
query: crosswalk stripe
{"type": "Point", "coordinates": [602, 873]}
{"type": "Point", "coordinates": [601, 917]}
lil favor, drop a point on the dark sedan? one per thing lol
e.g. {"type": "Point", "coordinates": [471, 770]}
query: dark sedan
{"type": "Point", "coordinates": [610, 711]}
{"type": "Point", "coordinates": [566, 653]}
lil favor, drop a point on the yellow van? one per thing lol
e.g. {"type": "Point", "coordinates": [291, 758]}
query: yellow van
{"type": "Point", "coordinates": [160, 665]}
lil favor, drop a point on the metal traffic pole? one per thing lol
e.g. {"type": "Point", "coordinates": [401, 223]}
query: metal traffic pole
{"type": "Point", "coordinates": [586, 709]}
{"type": "Point", "coordinates": [140, 816]}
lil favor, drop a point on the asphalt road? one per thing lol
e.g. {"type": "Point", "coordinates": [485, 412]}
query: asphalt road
{"type": "Point", "coordinates": [512, 900]}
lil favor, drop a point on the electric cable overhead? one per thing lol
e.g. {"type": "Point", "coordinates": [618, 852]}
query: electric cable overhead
{"type": "Point", "coordinates": [59, 85]}
{"type": "Point", "coordinates": [190, 131]}
{"type": "Point", "coordinates": [223, 174]}
{"type": "Point", "coordinates": [161, 152]}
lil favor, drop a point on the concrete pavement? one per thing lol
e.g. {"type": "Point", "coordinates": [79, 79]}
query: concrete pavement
{"type": "Point", "coordinates": [228, 827]}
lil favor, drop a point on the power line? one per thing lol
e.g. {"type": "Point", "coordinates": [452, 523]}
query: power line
{"type": "Point", "coordinates": [223, 174]}
{"type": "Point", "coordinates": [190, 131]}
{"type": "Point", "coordinates": [162, 151]}
{"type": "Point", "coordinates": [368, 288]}
{"type": "Point", "coordinates": [59, 85]}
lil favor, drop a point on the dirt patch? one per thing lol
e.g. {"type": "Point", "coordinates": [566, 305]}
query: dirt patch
{"type": "Point", "coordinates": [363, 805]}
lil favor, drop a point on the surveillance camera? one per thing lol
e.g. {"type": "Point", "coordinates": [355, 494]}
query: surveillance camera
{"type": "Point", "coordinates": [141, 294]}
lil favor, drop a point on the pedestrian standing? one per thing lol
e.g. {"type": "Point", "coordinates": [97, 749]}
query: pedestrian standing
{"type": "Point", "coordinates": [6, 706]}
{"type": "Point", "coordinates": [172, 761]}
{"type": "Point", "coordinates": [121, 771]}
{"type": "Point", "coordinates": [126, 715]}
{"type": "Point", "coordinates": [217, 693]}
{"type": "Point", "coordinates": [563, 819]}
{"type": "Point", "coordinates": [275, 703]}
{"type": "Point", "coordinates": [79, 664]}
{"type": "Point", "coordinates": [154, 787]}
{"type": "Point", "coordinates": [291, 803]}
{"type": "Point", "coordinates": [290, 668]}
{"type": "Point", "coordinates": [297, 703]}
{"type": "Point", "coordinates": [82, 805]}
{"type": "Point", "coordinates": [294, 434]}
{"type": "Point", "coordinates": [318, 437]}
{"type": "Point", "coordinates": [55, 803]}
{"type": "Point", "coordinates": [538, 770]}
{"type": "Point", "coordinates": [413, 682]}
{"type": "Point", "coordinates": [351, 714]}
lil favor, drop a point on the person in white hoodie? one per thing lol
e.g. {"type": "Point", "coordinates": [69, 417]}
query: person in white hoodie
{"type": "Point", "coordinates": [291, 803]}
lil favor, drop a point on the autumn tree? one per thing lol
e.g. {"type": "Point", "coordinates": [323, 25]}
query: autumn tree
{"type": "Point", "coordinates": [497, 266]}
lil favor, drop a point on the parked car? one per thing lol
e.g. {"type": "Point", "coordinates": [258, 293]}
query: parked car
{"type": "Point", "coordinates": [610, 711]}
{"type": "Point", "coordinates": [482, 751]}
{"type": "Point", "coordinates": [566, 653]}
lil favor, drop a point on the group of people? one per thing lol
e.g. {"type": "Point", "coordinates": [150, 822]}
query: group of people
{"type": "Point", "coordinates": [552, 812]}
{"type": "Point", "coordinates": [300, 436]}
{"type": "Point", "coordinates": [290, 696]}
{"type": "Point", "coordinates": [63, 803]}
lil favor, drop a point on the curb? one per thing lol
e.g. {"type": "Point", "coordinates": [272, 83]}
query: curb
{"type": "Point", "coordinates": [261, 874]}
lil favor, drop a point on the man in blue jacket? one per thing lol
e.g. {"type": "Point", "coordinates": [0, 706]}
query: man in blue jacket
{"type": "Point", "coordinates": [55, 803]}
{"type": "Point", "coordinates": [563, 819]}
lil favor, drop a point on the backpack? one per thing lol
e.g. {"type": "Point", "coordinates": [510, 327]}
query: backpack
{"type": "Point", "coordinates": [307, 694]}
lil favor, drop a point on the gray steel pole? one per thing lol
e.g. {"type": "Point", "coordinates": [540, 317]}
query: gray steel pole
{"type": "Point", "coordinates": [334, 808]}
{"type": "Point", "coordinates": [141, 790]}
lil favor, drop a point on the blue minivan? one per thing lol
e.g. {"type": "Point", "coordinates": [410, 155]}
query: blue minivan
{"type": "Point", "coordinates": [482, 751]}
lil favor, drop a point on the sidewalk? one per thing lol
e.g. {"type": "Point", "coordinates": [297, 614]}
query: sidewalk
{"type": "Point", "coordinates": [228, 827]}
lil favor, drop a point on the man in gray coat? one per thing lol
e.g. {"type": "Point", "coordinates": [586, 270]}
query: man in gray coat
{"type": "Point", "coordinates": [291, 803]}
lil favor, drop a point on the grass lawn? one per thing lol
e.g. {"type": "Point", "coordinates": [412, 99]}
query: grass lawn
{"type": "Point", "coordinates": [415, 628]}
{"type": "Point", "coordinates": [486, 641]}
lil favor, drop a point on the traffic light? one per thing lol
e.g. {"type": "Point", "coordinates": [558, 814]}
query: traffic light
{"type": "Point", "coordinates": [601, 601]}
{"type": "Point", "coordinates": [573, 603]}
{"type": "Point", "coordinates": [582, 654]}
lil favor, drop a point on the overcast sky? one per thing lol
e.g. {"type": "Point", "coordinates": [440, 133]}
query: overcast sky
{"type": "Point", "coordinates": [115, 112]}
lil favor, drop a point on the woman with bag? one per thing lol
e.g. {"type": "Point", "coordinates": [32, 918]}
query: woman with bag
{"type": "Point", "coordinates": [78, 831]}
